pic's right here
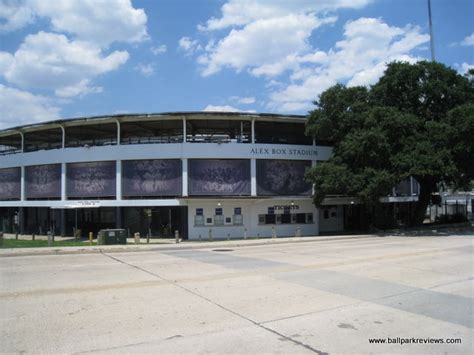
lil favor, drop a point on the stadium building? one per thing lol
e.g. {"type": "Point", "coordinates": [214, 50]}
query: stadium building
{"type": "Point", "coordinates": [225, 175]}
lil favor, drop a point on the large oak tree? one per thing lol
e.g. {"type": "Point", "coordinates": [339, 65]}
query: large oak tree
{"type": "Point", "coordinates": [417, 120]}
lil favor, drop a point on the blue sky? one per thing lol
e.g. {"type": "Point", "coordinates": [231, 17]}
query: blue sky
{"type": "Point", "coordinates": [71, 58]}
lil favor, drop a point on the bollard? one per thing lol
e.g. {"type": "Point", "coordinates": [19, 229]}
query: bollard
{"type": "Point", "coordinates": [16, 234]}
{"type": "Point", "coordinates": [1, 239]}
{"type": "Point", "coordinates": [50, 239]}
{"type": "Point", "coordinates": [91, 236]}
{"type": "Point", "coordinates": [176, 236]}
{"type": "Point", "coordinates": [136, 235]}
{"type": "Point", "coordinates": [274, 235]}
{"type": "Point", "coordinates": [210, 234]}
{"type": "Point", "coordinates": [199, 237]}
{"type": "Point", "coordinates": [245, 233]}
{"type": "Point", "coordinates": [298, 232]}
{"type": "Point", "coordinates": [258, 235]}
{"type": "Point", "coordinates": [148, 238]}
{"type": "Point", "coordinates": [33, 236]}
{"type": "Point", "coordinates": [228, 236]}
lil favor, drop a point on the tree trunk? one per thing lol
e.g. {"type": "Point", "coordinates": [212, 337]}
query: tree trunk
{"type": "Point", "coordinates": [427, 187]}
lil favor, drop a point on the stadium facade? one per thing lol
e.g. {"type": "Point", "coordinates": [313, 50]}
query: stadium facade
{"type": "Point", "coordinates": [219, 175]}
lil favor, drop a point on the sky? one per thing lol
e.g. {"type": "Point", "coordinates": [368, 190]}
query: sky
{"type": "Point", "coordinates": [75, 58]}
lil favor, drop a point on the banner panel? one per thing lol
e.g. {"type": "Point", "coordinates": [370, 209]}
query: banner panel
{"type": "Point", "coordinates": [43, 181]}
{"type": "Point", "coordinates": [282, 177]}
{"type": "Point", "coordinates": [151, 177]}
{"type": "Point", "coordinates": [10, 184]}
{"type": "Point", "coordinates": [213, 177]}
{"type": "Point", "coordinates": [95, 179]}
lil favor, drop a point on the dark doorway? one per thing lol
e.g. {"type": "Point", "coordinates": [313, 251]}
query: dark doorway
{"type": "Point", "coordinates": [159, 222]}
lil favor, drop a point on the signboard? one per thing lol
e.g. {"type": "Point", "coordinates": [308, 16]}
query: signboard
{"type": "Point", "coordinates": [221, 177]}
{"type": "Point", "coordinates": [43, 181]}
{"type": "Point", "coordinates": [282, 177]}
{"type": "Point", "coordinates": [96, 179]}
{"type": "Point", "coordinates": [151, 177]}
{"type": "Point", "coordinates": [10, 184]}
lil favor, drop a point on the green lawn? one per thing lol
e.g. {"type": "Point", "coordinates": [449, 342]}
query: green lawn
{"type": "Point", "coordinates": [13, 243]}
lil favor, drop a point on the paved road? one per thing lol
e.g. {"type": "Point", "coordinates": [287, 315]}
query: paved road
{"type": "Point", "coordinates": [318, 297]}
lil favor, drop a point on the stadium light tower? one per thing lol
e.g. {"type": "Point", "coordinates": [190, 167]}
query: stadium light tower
{"type": "Point", "coordinates": [431, 32]}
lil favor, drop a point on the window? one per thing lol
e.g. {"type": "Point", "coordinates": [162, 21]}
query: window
{"type": "Point", "coordinates": [326, 214]}
{"type": "Point", "coordinates": [218, 220]}
{"type": "Point", "coordinates": [228, 220]}
{"type": "Point", "coordinates": [218, 211]}
{"type": "Point", "coordinates": [309, 218]}
{"type": "Point", "coordinates": [198, 220]}
{"type": "Point", "coordinates": [270, 219]}
{"type": "Point", "coordinates": [208, 220]}
{"type": "Point", "coordinates": [238, 220]}
{"type": "Point", "coordinates": [286, 218]}
{"type": "Point", "coordinates": [301, 218]}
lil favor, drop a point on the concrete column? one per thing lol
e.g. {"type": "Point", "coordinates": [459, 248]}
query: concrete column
{"type": "Point", "coordinates": [63, 223]}
{"type": "Point", "coordinates": [22, 184]}
{"type": "Point", "coordinates": [118, 217]}
{"type": "Point", "coordinates": [185, 177]}
{"type": "Point", "coordinates": [118, 131]}
{"type": "Point", "coordinates": [184, 129]}
{"type": "Point", "coordinates": [21, 220]}
{"type": "Point", "coordinates": [118, 180]}
{"type": "Point", "coordinates": [22, 141]}
{"type": "Point", "coordinates": [63, 130]}
{"type": "Point", "coordinates": [253, 130]}
{"type": "Point", "coordinates": [63, 182]}
{"type": "Point", "coordinates": [253, 177]}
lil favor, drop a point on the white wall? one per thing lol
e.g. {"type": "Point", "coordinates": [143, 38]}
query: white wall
{"type": "Point", "coordinates": [250, 211]}
{"type": "Point", "coordinates": [335, 220]}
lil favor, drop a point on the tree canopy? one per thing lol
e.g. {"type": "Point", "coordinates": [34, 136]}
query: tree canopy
{"type": "Point", "coordinates": [417, 120]}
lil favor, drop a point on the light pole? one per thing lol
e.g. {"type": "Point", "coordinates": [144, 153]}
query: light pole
{"type": "Point", "coordinates": [431, 32]}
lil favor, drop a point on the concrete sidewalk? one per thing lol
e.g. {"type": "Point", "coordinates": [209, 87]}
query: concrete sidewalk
{"type": "Point", "coordinates": [171, 245]}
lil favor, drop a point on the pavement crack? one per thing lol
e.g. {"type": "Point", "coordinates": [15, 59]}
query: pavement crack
{"type": "Point", "coordinates": [188, 290]}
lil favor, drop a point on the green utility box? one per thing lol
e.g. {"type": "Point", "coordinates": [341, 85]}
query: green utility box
{"type": "Point", "coordinates": [112, 236]}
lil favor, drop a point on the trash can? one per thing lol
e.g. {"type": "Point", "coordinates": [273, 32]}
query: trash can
{"type": "Point", "coordinates": [112, 236]}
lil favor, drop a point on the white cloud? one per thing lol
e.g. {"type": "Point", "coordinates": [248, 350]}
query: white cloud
{"type": "Point", "coordinates": [224, 108]}
{"type": "Point", "coordinates": [464, 67]}
{"type": "Point", "coordinates": [468, 41]}
{"type": "Point", "coordinates": [243, 100]}
{"type": "Point", "coordinates": [188, 45]}
{"type": "Point", "coordinates": [243, 12]}
{"type": "Point", "coordinates": [51, 61]}
{"type": "Point", "coordinates": [100, 22]}
{"type": "Point", "coordinates": [145, 69]}
{"type": "Point", "coordinates": [263, 45]}
{"type": "Point", "coordinates": [359, 59]}
{"type": "Point", "coordinates": [14, 15]}
{"type": "Point", "coordinates": [19, 107]}
{"type": "Point", "coordinates": [159, 50]}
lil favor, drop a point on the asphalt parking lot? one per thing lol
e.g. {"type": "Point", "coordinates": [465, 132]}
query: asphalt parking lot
{"type": "Point", "coordinates": [316, 297]}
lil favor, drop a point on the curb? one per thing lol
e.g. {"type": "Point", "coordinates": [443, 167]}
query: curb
{"type": "Point", "coordinates": [167, 247]}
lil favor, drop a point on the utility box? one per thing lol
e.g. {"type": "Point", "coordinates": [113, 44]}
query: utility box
{"type": "Point", "coordinates": [112, 236]}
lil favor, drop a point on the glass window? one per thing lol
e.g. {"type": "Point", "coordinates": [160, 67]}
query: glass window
{"type": "Point", "coordinates": [309, 218]}
{"type": "Point", "coordinates": [218, 211]}
{"type": "Point", "coordinates": [238, 220]}
{"type": "Point", "coordinates": [218, 220]}
{"type": "Point", "coordinates": [270, 219]}
{"type": "Point", "coordinates": [301, 218]}
{"type": "Point", "coordinates": [286, 218]}
{"type": "Point", "coordinates": [199, 220]}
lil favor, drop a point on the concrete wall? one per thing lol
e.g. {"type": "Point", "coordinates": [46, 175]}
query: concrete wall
{"type": "Point", "coordinates": [251, 209]}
